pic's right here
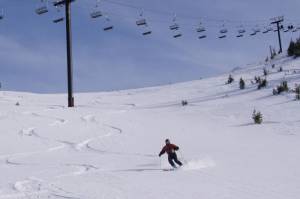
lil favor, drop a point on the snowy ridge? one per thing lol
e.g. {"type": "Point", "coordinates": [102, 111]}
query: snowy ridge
{"type": "Point", "coordinates": [107, 146]}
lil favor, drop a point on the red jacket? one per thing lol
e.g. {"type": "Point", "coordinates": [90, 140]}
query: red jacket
{"type": "Point", "coordinates": [169, 149]}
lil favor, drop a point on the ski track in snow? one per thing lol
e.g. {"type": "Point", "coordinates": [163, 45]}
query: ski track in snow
{"type": "Point", "coordinates": [11, 159]}
{"type": "Point", "coordinates": [57, 120]}
{"type": "Point", "coordinates": [35, 188]}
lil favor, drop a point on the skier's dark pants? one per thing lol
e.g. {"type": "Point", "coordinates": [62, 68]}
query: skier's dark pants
{"type": "Point", "coordinates": [171, 157]}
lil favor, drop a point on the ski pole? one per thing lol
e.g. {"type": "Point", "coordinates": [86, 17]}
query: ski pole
{"type": "Point", "coordinates": [160, 161]}
{"type": "Point", "coordinates": [184, 160]}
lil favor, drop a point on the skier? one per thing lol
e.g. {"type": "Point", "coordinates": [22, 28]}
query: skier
{"type": "Point", "coordinates": [170, 150]}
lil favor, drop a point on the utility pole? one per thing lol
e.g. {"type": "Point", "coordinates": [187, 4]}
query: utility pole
{"type": "Point", "coordinates": [67, 4]}
{"type": "Point", "coordinates": [277, 21]}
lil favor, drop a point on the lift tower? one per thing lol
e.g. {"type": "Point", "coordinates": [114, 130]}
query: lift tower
{"type": "Point", "coordinates": [278, 21]}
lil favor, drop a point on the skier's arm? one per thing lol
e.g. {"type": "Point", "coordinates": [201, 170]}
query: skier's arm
{"type": "Point", "coordinates": [162, 152]}
{"type": "Point", "coordinates": [176, 148]}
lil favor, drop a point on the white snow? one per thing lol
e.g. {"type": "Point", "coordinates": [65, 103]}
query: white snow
{"type": "Point", "coordinates": [107, 146]}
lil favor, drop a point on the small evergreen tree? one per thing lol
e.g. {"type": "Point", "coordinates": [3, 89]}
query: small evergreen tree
{"type": "Point", "coordinates": [280, 69]}
{"type": "Point", "coordinates": [283, 87]}
{"type": "Point", "coordinates": [230, 79]}
{"type": "Point", "coordinates": [291, 48]}
{"type": "Point", "coordinates": [265, 72]}
{"type": "Point", "coordinates": [294, 48]}
{"type": "Point", "coordinates": [273, 53]}
{"type": "Point", "coordinates": [242, 84]}
{"type": "Point", "coordinates": [297, 91]}
{"type": "Point", "coordinates": [257, 117]}
{"type": "Point", "coordinates": [257, 79]}
{"type": "Point", "coordinates": [267, 59]}
{"type": "Point", "coordinates": [184, 103]}
{"type": "Point", "coordinates": [262, 83]}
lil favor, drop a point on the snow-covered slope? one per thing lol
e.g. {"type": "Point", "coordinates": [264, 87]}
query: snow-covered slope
{"type": "Point", "coordinates": [107, 147]}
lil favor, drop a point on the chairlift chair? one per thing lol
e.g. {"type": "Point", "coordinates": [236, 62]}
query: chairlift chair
{"type": "Point", "coordinates": [253, 33]}
{"type": "Point", "coordinates": [291, 27]}
{"type": "Point", "coordinates": [43, 8]}
{"type": "Point", "coordinates": [223, 31]}
{"type": "Point", "coordinates": [174, 27]}
{"type": "Point", "coordinates": [265, 31]}
{"type": "Point", "coordinates": [141, 22]}
{"type": "Point", "coordinates": [107, 28]}
{"type": "Point", "coordinates": [241, 32]}
{"type": "Point", "coordinates": [2, 15]}
{"type": "Point", "coordinates": [202, 37]}
{"type": "Point", "coordinates": [296, 29]}
{"type": "Point", "coordinates": [177, 35]}
{"type": "Point", "coordinates": [147, 32]}
{"type": "Point", "coordinates": [58, 20]}
{"type": "Point", "coordinates": [201, 29]}
{"type": "Point", "coordinates": [96, 14]}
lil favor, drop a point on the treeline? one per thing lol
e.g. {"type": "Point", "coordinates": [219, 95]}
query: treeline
{"type": "Point", "coordinates": [294, 48]}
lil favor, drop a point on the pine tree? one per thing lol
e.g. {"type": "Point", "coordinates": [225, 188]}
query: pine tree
{"type": "Point", "coordinates": [230, 79]}
{"type": "Point", "coordinates": [242, 84]}
{"type": "Point", "coordinates": [262, 83]}
{"type": "Point", "coordinates": [297, 91]}
{"type": "Point", "coordinates": [265, 72]}
{"type": "Point", "coordinates": [291, 48]}
{"type": "Point", "coordinates": [257, 117]}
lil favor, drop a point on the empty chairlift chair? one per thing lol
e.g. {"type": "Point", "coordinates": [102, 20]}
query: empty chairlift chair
{"type": "Point", "coordinates": [96, 11]}
{"type": "Point", "coordinates": [2, 14]}
{"type": "Point", "coordinates": [241, 32]}
{"type": "Point", "coordinates": [201, 30]}
{"type": "Point", "coordinates": [147, 32]}
{"type": "Point", "coordinates": [253, 33]}
{"type": "Point", "coordinates": [58, 20]}
{"type": "Point", "coordinates": [42, 8]}
{"type": "Point", "coordinates": [223, 33]}
{"type": "Point", "coordinates": [143, 23]}
{"type": "Point", "coordinates": [175, 26]}
{"type": "Point", "coordinates": [95, 14]}
{"type": "Point", "coordinates": [107, 25]}
{"type": "Point", "coordinates": [266, 30]}
{"type": "Point", "coordinates": [175, 29]}
{"type": "Point", "coordinates": [59, 17]}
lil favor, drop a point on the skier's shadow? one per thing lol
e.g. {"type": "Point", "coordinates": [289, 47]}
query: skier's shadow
{"type": "Point", "coordinates": [137, 170]}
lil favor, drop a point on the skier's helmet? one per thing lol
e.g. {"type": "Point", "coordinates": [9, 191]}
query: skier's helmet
{"type": "Point", "coordinates": [167, 141]}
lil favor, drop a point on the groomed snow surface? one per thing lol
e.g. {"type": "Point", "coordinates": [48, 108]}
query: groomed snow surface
{"type": "Point", "coordinates": [107, 146]}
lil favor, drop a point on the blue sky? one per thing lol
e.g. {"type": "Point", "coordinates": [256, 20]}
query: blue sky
{"type": "Point", "coordinates": [33, 55]}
